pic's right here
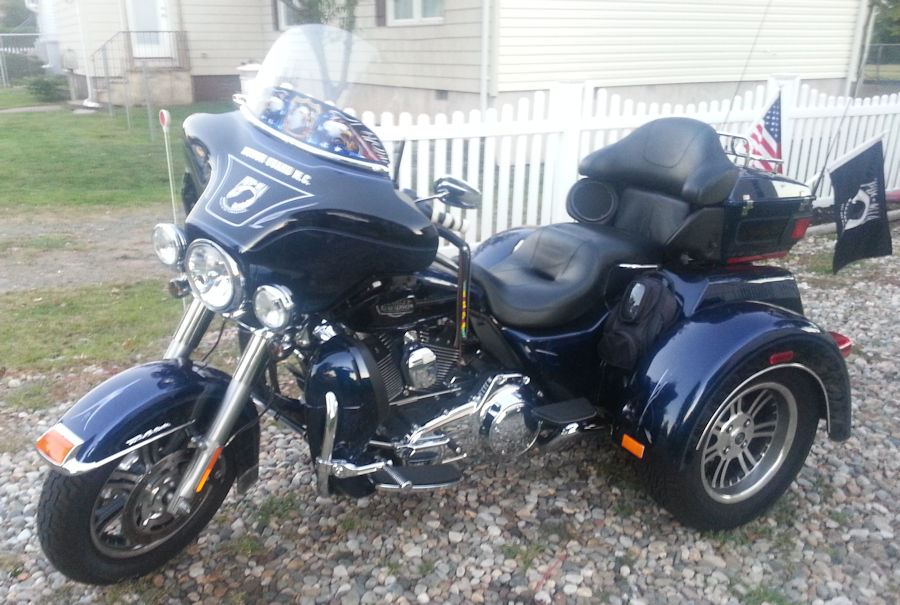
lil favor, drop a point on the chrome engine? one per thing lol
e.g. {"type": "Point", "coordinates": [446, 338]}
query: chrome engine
{"type": "Point", "coordinates": [494, 419]}
{"type": "Point", "coordinates": [421, 363]}
{"type": "Point", "coordinates": [418, 370]}
{"type": "Point", "coordinates": [502, 420]}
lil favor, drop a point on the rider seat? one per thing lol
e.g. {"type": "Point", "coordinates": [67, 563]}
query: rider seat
{"type": "Point", "coordinates": [661, 185]}
{"type": "Point", "coordinates": [557, 272]}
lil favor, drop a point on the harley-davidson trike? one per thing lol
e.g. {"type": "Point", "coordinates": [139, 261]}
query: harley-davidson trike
{"type": "Point", "coordinates": [645, 316]}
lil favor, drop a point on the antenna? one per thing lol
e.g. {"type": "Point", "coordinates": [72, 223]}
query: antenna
{"type": "Point", "coordinates": [820, 178]}
{"type": "Point", "coordinates": [398, 157]}
{"type": "Point", "coordinates": [737, 88]}
{"type": "Point", "coordinates": [165, 118]}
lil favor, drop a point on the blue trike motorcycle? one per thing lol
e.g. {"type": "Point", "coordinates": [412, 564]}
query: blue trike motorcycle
{"type": "Point", "coordinates": [646, 316]}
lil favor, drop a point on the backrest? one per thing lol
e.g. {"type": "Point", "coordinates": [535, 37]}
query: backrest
{"type": "Point", "coordinates": [654, 216]}
{"type": "Point", "coordinates": [660, 175]}
{"type": "Point", "coordinates": [679, 157]}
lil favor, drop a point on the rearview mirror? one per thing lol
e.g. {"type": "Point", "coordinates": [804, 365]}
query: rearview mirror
{"type": "Point", "coordinates": [456, 192]}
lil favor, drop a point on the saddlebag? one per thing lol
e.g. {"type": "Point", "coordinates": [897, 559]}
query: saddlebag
{"type": "Point", "coordinates": [647, 309]}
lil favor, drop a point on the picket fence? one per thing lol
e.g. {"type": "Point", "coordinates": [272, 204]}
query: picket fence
{"type": "Point", "coordinates": [524, 159]}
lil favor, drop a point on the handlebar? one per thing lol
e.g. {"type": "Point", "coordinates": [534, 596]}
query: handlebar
{"type": "Point", "coordinates": [447, 220]}
{"type": "Point", "coordinates": [441, 219]}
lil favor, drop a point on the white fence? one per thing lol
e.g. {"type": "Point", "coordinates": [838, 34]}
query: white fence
{"type": "Point", "coordinates": [525, 158]}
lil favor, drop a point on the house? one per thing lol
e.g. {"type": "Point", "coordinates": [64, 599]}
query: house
{"type": "Point", "coordinates": [439, 55]}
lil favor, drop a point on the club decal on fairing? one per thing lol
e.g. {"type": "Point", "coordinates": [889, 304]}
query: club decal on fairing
{"type": "Point", "coordinates": [249, 196]}
{"type": "Point", "coordinates": [243, 195]}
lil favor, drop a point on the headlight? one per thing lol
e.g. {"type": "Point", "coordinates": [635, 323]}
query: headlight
{"type": "Point", "coordinates": [273, 306]}
{"type": "Point", "coordinates": [169, 244]}
{"type": "Point", "coordinates": [214, 276]}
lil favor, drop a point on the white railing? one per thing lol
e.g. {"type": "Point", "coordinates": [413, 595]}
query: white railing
{"type": "Point", "coordinates": [525, 158]}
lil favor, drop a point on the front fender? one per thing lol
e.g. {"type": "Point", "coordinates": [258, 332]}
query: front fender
{"type": "Point", "coordinates": [145, 403]}
{"type": "Point", "coordinates": [669, 388]}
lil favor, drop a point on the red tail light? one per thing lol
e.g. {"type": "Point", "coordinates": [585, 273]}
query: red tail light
{"type": "Point", "coordinates": [800, 228]}
{"type": "Point", "coordinates": [844, 344]}
{"type": "Point", "coordinates": [759, 257]}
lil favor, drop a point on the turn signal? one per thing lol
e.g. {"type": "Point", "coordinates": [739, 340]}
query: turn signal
{"type": "Point", "coordinates": [57, 443]}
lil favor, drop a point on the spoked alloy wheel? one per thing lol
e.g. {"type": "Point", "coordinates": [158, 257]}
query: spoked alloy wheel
{"type": "Point", "coordinates": [111, 523]}
{"type": "Point", "coordinates": [749, 442]}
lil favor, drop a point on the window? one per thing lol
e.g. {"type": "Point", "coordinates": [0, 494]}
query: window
{"type": "Point", "coordinates": [411, 12]}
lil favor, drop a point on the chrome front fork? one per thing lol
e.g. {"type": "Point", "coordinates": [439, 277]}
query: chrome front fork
{"type": "Point", "coordinates": [193, 325]}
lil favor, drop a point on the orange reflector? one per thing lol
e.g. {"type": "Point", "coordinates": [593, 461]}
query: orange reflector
{"type": "Point", "coordinates": [632, 445]}
{"type": "Point", "coordinates": [783, 357]}
{"type": "Point", "coordinates": [844, 344]}
{"type": "Point", "coordinates": [54, 446]}
{"type": "Point", "coordinates": [209, 469]}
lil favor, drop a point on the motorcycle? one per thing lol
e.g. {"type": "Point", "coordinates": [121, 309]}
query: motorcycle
{"type": "Point", "coordinates": [647, 316]}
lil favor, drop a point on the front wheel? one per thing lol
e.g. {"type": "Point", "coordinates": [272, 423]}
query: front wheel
{"type": "Point", "coordinates": [111, 523]}
{"type": "Point", "coordinates": [745, 450]}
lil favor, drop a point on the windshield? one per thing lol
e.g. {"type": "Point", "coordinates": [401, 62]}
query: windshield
{"type": "Point", "coordinates": [301, 85]}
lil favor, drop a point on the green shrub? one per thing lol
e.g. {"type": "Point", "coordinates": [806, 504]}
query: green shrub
{"type": "Point", "coordinates": [48, 88]}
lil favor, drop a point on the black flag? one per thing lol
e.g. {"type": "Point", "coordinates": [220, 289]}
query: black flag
{"type": "Point", "coordinates": [860, 211]}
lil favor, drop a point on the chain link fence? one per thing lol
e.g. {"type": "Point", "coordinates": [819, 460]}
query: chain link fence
{"type": "Point", "coordinates": [18, 58]}
{"type": "Point", "coordinates": [883, 62]}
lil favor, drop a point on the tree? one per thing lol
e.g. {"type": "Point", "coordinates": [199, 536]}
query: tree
{"type": "Point", "coordinates": [14, 17]}
{"type": "Point", "coordinates": [341, 13]}
{"type": "Point", "coordinates": [887, 22]}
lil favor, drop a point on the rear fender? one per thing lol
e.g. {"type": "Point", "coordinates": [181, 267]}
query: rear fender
{"type": "Point", "coordinates": [668, 390]}
{"type": "Point", "coordinates": [146, 403]}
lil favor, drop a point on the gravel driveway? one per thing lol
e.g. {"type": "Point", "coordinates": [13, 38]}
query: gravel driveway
{"type": "Point", "coordinates": [571, 527]}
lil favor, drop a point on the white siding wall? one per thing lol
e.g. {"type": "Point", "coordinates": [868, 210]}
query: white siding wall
{"type": "Point", "coordinates": [102, 19]}
{"type": "Point", "coordinates": [444, 56]}
{"type": "Point", "coordinates": [221, 34]}
{"type": "Point", "coordinates": [633, 42]}
{"type": "Point", "coordinates": [226, 33]}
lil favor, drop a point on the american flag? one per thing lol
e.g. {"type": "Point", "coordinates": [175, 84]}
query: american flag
{"type": "Point", "coordinates": [766, 137]}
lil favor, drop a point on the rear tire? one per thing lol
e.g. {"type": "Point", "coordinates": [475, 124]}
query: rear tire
{"type": "Point", "coordinates": [748, 444]}
{"type": "Point", "coordinates": [110, 524]}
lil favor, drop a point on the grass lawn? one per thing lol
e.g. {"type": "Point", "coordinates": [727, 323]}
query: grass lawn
{"type": "Point", "coordinates": [882, 72]}
{"type": "Point", "coordinates": [61, 159]}
{"type": "Point", "coordinates": [17, 97]}
{"type": "Point", "coordinates": [63, 329]}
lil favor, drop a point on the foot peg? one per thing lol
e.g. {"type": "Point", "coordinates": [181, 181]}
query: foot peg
{"type": "Point", "coordinates": [416, 478]}
{"type": "Point", "coordinates": [565, 412]}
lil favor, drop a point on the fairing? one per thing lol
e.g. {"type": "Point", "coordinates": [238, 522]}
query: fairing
{"type": "Point", "coordinates": [283, 211]}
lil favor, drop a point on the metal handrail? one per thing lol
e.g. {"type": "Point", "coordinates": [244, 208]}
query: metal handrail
{"type": "Point", "coordinates": [130, 50]}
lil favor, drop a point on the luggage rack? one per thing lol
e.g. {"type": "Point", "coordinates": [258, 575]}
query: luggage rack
{"type": "Point", "coordinates": [737, 148]}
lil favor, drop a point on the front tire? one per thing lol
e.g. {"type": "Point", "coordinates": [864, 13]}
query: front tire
{"type": "Point", "coordinates": [110, 524]}
{"type": "Point", "coordinates": [750, 441]}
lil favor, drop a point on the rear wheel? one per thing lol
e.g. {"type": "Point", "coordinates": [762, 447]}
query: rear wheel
{"type": "Point", "coordinates": [111, 523]}
{"type": "Point", "coordinates": [747, 447]}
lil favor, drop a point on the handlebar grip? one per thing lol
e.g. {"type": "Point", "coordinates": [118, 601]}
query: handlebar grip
{"type": "Point", "coordinates": [447, 220]}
